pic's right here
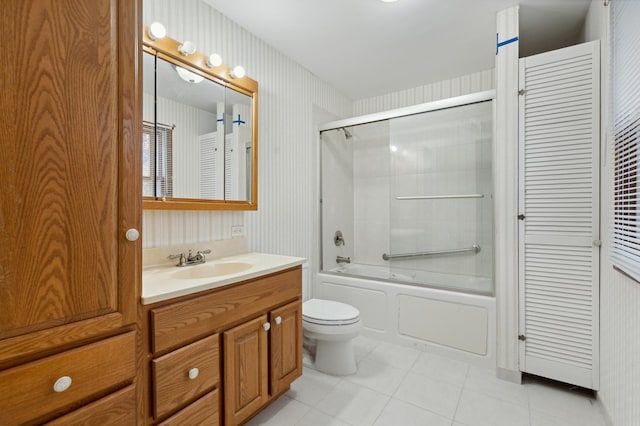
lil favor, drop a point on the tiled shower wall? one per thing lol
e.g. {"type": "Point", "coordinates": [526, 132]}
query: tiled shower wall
{"type": "Point", "coordinates": [288, 94]}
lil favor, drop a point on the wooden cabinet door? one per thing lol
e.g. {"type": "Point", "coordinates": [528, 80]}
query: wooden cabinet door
{"type": "Point", "coordinates": [286, 345]}
{"type": "Point", "coordinates": [246, 366]}
{"type": "Point", "coordinates": [68, 167]}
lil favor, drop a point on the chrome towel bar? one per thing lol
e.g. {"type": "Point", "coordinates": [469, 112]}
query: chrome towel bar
{"type": "Point", "coordinates": [440, 197]}
{"type": "Point", "coordinates": [474, 248]}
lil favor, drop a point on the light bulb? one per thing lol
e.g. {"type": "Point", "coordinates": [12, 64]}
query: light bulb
{"type": "Point", "coordinates": [214, 60]}
{"type": "Point", "coordinates": [187, 48]}
{"type": "Point", "coordinates": [157, 31]}
{"type": "Point", "coordinates": [237, 72]}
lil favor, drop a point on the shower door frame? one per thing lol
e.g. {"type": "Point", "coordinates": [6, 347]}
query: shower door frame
{"type": "Point", "coordinates": [457, 101]}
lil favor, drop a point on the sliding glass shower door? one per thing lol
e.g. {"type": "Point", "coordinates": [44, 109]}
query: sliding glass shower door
{"type": "Point", "coordinates": [411, 198]}
{"type": "Point", "coordinates": [440, 204]}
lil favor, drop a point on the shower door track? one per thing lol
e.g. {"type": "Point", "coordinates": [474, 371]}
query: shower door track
{"type": "Point", "coordinates": [456, 101]}
{"type": "Point", "coordinates": [440, 197]}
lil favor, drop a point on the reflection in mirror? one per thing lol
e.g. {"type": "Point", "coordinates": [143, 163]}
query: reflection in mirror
{"type": "Point", "coordinates": [199, 136]}
{"type": "Point", "coordinates": [238, 150]}
{"type": "Point", "coordinates": [189, 116]}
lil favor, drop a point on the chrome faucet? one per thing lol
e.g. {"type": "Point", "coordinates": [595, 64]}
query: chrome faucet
{"type": "Point", "coordinates": [190, 259]}
{"type": "Point", "coordinates": [341, 259]}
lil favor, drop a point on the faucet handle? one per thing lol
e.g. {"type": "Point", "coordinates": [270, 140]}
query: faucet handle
{"type": "Point", "coordinates": [181, 256]}
{"type": "Point", "coordinates": [200, 254]}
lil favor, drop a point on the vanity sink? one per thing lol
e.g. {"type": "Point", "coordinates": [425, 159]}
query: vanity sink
{"type": "Point", "coordinates": [211, 270]}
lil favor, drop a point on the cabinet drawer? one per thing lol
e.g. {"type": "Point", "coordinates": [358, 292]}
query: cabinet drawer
{"type": "Point", "coordinates": [185, 374]}
{"type": "Point", "coordinates": [27, 391]}
{"type": "Point", "coordinates": [116, 409]}
{"type": "Point", "coordinates": [205, 411]}
{"type": "Point", "coordinates": [181, 322]}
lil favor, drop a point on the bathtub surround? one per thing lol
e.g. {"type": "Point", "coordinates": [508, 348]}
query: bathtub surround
{"type": "Point", "coordinates": [417, 182]}
{"type": "Point", "coordinates": [448, 323]}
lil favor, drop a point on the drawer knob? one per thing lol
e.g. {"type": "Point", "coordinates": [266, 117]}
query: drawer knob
{"type": "Point", "coordinates": [132, 234]}
{"type": "Point", "coordinates": [62, 384]}
{"type": "Point", "coordinates": [266, 326]}
{"type": "Point", "coordinates": [193, 373]}
{"type": "Point", "coordinates": [278, 320]}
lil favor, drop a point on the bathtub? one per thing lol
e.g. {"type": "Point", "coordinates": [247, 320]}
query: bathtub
{"type": "Point", "coordinates": [454, 324]}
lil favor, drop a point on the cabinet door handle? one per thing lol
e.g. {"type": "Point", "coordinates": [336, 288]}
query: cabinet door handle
{"type": "Point", "coordinates": [266, 326]}
{"type": "Point", "coordinates": [193, 373]}
{"type": "Point", "coordinates": [278, 320]}
{"type": "Point", "coordinates": [62, 384]}
{"type": "Point", "coordinates": [132, 234]}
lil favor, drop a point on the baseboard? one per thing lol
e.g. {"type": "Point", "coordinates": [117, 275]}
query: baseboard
{"type": "Point", "coordinates": [512, 376]}
{"type": "Point", "coordinates": [605, 414]}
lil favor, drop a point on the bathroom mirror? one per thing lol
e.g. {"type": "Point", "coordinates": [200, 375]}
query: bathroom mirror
{"type": "Point", "coordinates": [199, 137]}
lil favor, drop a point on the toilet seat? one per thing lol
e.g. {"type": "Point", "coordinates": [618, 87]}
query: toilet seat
{"type": "Point", "coordinates": [329, 312]}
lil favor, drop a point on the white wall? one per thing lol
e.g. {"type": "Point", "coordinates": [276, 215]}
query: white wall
{"type": "Point", "coordinates": [288, 94]}
{"type": "Point", "coordinates": [619, 295]}
{"type": "Point", "coordinates": [458, 86]}
{"type": "Point", "coordinates": [505, 161]}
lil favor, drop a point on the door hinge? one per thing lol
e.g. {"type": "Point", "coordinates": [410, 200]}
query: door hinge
{"type": "Point", "coordinates": [522, 92]}
{"type": "Point", "coordinates": [522, 337]}
{"type": "Point", "coordinates": [521, 216]}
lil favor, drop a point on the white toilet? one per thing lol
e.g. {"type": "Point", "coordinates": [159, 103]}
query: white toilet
{"type": "Point", "coordinates": [329, 328]}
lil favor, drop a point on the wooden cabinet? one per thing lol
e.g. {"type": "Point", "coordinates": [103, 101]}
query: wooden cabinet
{"type": "Point", "coordinates": [257, 327]}
{"type": "Point", "coordinates": [116, 409]}
{"type": "Point", "coordinates": [205, 411]}
{"type": "Point", "coordinates": [185, 374]}
{"type": "Point", "coordinates": [257, 353]}
{"type": "Point", "coordinates": [246, 374]}
{"type": "Point", "coordinates": [286, 346]}
{"type": "Point", "coordinates": [69, 279]}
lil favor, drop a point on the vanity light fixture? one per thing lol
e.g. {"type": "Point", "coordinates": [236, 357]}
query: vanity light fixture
{"type": "Point", "coordinates": [188, 76]}
{"type": "Point", "coordinates": [157, 31]}
{"type": "Point", "coordinates": [187, 48]}
{"type": "Point", "coordinates": [237, 72]}
{"type": "Point", "coordinates": [214, 60]}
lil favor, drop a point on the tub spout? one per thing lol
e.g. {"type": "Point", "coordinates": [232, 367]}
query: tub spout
{"type": "Point", "coordinates": [340, 260]}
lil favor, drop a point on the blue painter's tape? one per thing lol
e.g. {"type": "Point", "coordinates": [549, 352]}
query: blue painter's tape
{"type": "Point", "coordinates": [499, 44]}
{"type": "Point", "coordinates": [238, 121]}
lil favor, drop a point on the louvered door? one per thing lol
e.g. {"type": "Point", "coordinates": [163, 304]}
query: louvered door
{"type": "Point", "coordinates": [211, 167]}
{"type": "Point", "coordinates": [559, 207]}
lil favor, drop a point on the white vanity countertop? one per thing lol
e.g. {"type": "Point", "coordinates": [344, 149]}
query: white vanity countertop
{"type": "Point", "coordinates": [159, 283]}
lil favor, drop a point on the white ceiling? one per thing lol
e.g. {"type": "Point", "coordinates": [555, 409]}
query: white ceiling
{"type": "Point", "coordinates": [366, 48]}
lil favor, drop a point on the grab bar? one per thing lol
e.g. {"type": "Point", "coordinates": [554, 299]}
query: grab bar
{"type": "Point", "coordinates": [440, 197]}
{"type": "Point", "coordinates": [474, 248]}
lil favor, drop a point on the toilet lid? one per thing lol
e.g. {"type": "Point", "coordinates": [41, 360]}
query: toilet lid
{"type": "Point", "coordinates": [328, 312]}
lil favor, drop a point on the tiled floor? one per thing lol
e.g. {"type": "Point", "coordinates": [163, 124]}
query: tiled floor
{"type": "Point", "coordinates": [401, 386]}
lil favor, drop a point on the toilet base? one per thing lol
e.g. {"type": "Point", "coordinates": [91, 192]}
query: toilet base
{"type": "Point", "coordinates": [336, 358]}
